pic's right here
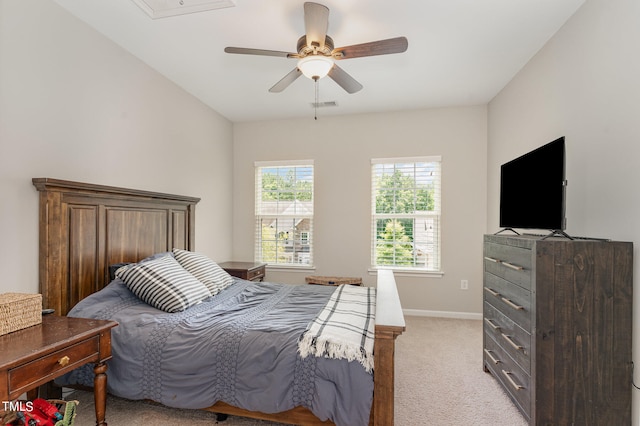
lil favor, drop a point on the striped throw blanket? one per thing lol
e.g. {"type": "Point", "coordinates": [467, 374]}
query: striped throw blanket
{"type": "Point", "coordinates": [345, 327]}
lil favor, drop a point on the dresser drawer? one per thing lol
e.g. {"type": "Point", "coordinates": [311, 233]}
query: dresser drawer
{"type": "Point", "coordinates": [520, 256]}
{"type": "Point", "coordinates": [513, 339]}
{"type": "Point", "coordinates": [512, 300]}
{"type": "Point", "coordinates": [509, 263]}
{"type": "Point", "coordinates": [514, 273]}
{"type": "Point", "coordinates": [53, 365]}
{"type": "Point", "coordinates": [255, 274]}
{"type": "Point", "coordinates": [514, 380]}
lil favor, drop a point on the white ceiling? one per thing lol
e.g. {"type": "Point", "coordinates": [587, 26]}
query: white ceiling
{"type": "Point", "coordinates": [461, 52]}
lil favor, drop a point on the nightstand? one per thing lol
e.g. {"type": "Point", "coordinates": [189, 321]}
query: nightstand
{"type": "Point", "coordinates": [36, 355]}
{"type": "Point", "coordinates": [252, 271]}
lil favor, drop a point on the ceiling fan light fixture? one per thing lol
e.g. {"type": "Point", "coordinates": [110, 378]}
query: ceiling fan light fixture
{"type": "Point", "coordinates": [315, 66]}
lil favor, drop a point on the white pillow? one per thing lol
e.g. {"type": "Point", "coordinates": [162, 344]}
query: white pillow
{"type": "Point", "coordinates": [204, 269]}
{"type": "Point", "coordinates": [163, 284]}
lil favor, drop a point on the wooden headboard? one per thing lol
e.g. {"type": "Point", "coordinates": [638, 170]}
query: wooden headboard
{"type": "Point", "coordinates": [84, 228]}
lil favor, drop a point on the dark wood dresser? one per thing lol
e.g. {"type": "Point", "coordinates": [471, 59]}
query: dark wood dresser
{"type": "Point", "coordinates": [251, 271]}
{"type": "Point", "coordinates": [557, 327]}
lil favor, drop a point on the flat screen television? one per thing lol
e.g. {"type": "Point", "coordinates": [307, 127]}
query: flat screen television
{"type": "Point", "coordinates": [532, 189]}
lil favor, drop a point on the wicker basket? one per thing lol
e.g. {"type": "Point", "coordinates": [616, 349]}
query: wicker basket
{"type": "Point", "coordinates": [316, 279]}
{"type": "Point", "coordinates": [19, 310]}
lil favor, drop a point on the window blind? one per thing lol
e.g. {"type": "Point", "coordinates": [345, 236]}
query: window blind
{"type": "Point", "coordinates": [406, 212]}
{"type": "Point", "coordinates": [284, 213]}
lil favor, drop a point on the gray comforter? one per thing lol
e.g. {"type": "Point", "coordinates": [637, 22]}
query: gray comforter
{"type": "Point", "coordinates": [239, 347]}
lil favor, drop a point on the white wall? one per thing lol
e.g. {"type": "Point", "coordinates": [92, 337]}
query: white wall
{"type": "Point", "coordinates": [75, 106]}
{"type": "Point", "coordinates": [585, 85]}
{"type": "Point", "coordinates": [342, 148]}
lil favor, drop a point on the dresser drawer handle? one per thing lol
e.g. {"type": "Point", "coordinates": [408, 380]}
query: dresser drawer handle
{"type": "Point", "coordinates": [491, 323]}
{"type": "Point", "coordinates": [64, 361]}
{"type": "Point", "coordinates": [508, 374]}
{"type": "Point", "coordinates": [491, 259]}
{"type": "Point", "coordinates": [512, 343]}
{"type": "Point", "coordinates": [512, 266]}
{"type": "Point", "coordinates": [492, 291]}
{"type": "Point", "coordinates": [491, 357]}
{"type": "Point", "coordinates": [513, 305]}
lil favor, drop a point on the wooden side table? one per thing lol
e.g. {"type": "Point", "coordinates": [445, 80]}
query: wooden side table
{"type": "Point", "coordinates": [36, 355]}
{"type": "Point", "coordinates": [252, 271]}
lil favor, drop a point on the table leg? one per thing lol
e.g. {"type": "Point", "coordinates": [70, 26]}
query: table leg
{"type": "Point", "coordinates": [100, 392]}
{"type": "Point", "coordinates": [32, 394]}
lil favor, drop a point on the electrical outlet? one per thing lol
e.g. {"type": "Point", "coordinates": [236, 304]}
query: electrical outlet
{"type": "Point", "coordinates": [464, 285]}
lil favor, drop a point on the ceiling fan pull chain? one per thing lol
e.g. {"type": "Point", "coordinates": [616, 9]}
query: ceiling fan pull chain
{"type": "Point", "coordinates": [316, 103]}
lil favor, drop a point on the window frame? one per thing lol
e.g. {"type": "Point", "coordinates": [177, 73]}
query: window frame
{"type": "Point", "coordinates": [434, 215]}
{"type": "Point", "coordinates": [302, 212]}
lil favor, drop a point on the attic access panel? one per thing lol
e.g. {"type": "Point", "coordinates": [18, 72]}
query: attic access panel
{"type": "Point", "coordinates": [165, 8]}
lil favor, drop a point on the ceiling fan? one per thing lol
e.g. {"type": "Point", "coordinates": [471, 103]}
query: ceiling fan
{"type": "Point", "coordinates": [316, 53]}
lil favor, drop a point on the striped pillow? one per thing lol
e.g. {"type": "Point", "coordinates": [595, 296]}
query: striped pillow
{"type": "Point", "coordinates": [204, 269]}
{"type": "Point", "coordinates": [163, 284]}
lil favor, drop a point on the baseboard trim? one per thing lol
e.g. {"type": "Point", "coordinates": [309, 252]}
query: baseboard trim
{"type": "Point", "coordinates": [442, 314]}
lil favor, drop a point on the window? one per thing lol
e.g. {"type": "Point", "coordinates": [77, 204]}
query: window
{"type": "Point", "coordinates": [405, 205]}
{"type": "Point", "coordinates": [284, 213]}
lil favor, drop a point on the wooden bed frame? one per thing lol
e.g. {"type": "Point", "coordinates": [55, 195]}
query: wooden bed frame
{"type": "Point", "coordinates": [84, 228]}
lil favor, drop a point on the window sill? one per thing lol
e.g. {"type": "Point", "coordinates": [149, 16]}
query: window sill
{"type": "Point", "coordinates": [404, 272]}
{"type": "Point", "coordinates": [290, 268]}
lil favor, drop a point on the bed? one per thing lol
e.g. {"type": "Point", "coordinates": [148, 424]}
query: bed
{"type": "Point", "coordinates": [86, 228]}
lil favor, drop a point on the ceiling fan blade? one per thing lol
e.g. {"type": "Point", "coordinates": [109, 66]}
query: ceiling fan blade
{"type": "Point", "coordinates": [262, 52]}
{"type": "Point", "coordinates": [344, 80]}
{"type": "Point", "coordinates": [286, 81]}
{"type": "Point", "coordinates": [316, 23]}
{"type": "Point", "coordinates": [373, 48]}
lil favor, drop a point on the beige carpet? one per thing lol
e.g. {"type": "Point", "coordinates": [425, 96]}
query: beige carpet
{"type": "Point", "coordinates": [439, 382]}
